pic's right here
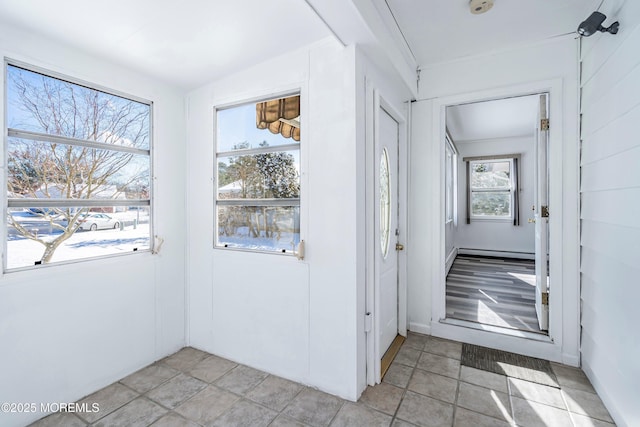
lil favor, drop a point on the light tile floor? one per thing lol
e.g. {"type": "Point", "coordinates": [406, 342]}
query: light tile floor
{"type": "Point", "coordinates": [425, 386]}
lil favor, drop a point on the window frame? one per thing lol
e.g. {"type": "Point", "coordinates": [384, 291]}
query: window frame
{"type": "Point", "coordinates": [451, 181]}
{"type": "Point", "coordinates": [510, 190]}
{"type": "Point", "coordinates": [272, 202]}
{"type": "Point", "coordinates": [39, 137]}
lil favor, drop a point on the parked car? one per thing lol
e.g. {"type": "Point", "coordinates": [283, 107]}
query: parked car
{"type": "Point", "coordinates": [97, 221]}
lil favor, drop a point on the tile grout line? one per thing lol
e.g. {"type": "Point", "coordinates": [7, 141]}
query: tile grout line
{"type": "Point", "coordinates": [510, 396]}
{"type": "Point", "coordinates": [344, 402]}
{"type": "Point", "coordinates": [566, 404]}
{"type": "Point", "coordinates": [455, 399]}
{"type": "Point", "coordinates": [304, 387]}
{"type": "Point", "coordinates": [138, 395]}
{"type": "Point", "coordinates": [406, 388]}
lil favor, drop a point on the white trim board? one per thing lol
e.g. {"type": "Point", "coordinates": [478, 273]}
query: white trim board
{"type": "Point", "coordinates": [420, 328]}
{"type": "Point", "coordinates": [541, 347]}
{"type": "Point", "coordinates": [374, 102]}
{"type": "Point", "coordinates": [450, 258]}
{"type": "Point", "coordinates": [564, 312]}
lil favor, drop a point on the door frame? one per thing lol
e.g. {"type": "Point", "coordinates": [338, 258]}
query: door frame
{"type": "Point", "coordinates": [374, 101]}
{"type": "Point", "coordinates": [563, 229]}
{"type": "Point", "coordinates": [541, 227]}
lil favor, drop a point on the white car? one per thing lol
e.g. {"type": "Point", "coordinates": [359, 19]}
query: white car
{"type": "Point", "coordinates": [97, 221]}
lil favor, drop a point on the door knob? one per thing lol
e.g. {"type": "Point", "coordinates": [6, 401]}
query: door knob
{"type": "Point", "coordinates": [399, 247]}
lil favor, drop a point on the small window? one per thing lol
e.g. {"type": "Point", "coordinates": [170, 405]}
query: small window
{"type": "Point", "coordinates": [78, 163]}
{"type": "Point", "coordinates": [258, 176]}
{"type": "Point", "coordinates": [491, 187]}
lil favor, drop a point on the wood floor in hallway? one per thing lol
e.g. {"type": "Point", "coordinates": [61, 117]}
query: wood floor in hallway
{"type": "Point", "coordinates": [493, 291]}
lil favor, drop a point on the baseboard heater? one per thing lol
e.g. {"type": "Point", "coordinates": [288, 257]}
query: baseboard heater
{"type": "Point", "coordinates": [498, 254]}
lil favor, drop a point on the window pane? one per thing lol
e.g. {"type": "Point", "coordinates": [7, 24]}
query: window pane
{"type": "Point", "coordinates": [262, 228]}
{"type": "Point", "coordinates": [490, 175]}
{"type": "Point", "coordinates": [70, 174]}
{"type": "Point", "coordinates": [259, 176]}
{"type": "Point", "coordinates": [44, 104]}
{"type": "Point", "coordinates": [239, 127]}
{"type": "Point", "coordinates": [80, 233]}
{"type": "Point", "coordinates": [491, 204]}
{"type": "Point", "coordinates": [46, 170]}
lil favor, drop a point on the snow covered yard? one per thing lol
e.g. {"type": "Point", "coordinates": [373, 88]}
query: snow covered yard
{"type": "Point", "coordinates": [22, 252]}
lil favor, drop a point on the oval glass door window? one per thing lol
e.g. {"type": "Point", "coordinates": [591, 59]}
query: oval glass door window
{"type": "Point", "coordinates": [385, 203]}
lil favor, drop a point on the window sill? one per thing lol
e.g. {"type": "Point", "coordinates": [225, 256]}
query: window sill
{"type": "Point", "coordinates": [92, 262]}
{"type": "Point", "coordinates": [480, 219]}
{"type": "Point", "coordinates": [288, 253]}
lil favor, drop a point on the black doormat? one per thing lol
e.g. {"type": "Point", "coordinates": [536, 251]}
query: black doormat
{"type": "Point", "coordinates": [509, 364]}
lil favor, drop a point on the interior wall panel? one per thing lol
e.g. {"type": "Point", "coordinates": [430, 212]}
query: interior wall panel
{"type": "Point", "coordinates": [610, 193]}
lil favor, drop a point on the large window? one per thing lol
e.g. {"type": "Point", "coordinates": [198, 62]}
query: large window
{"type": "Point", "coordinates": [258, 176]}
{"type": "Point", "coordinates": [78, 163]}
{"type": "Point", "coordinates": [491, 187]}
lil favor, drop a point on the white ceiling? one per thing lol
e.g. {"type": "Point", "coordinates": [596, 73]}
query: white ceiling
{"type": "Point", "coordinates": [186, 43]}
{"type": "Point", "coordinates": [442, 30]}
{"type": "Point", "coordinates": [503, 118]}
{"type": "Point", "coordinates": [190, 42]}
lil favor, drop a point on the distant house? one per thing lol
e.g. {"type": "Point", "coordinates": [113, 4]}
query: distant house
{"type": "Point", "coordinates": [231, 190]}
{"type": "Point", "coordinates": [106, 192]}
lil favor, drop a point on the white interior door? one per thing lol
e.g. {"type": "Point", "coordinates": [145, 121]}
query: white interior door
{"type": "Point", "coordinates": [541, 216]}
{"type": "Point", "coordinates": [387, 219]}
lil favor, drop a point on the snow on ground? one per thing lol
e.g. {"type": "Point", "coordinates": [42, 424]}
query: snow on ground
{"type": "Point", "coordinates": [241, 239]}
{"type": "Point", "coordinates": [23, 252]}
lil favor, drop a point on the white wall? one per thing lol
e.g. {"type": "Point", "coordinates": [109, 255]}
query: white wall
{"type": "Point", "coordinates": [303, 320]}
{"type": "Point", "coordinates": [610, 211]}
{"type": "Point", "coordinates": [296, 319]}
{"type": "Point", "coordinates": [497, 235]}
{"type": "Point", "coordinates": [552, 63]}
{"type": "Point", "coordinates": [423, 192]}
{"type": "Point", "coordinates": [69, 330]}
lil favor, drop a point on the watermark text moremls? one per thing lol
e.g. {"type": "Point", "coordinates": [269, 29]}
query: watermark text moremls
{"type": "Point", "coordinates": [69, 407]}
{"type": "Point", "coordinates": [24, 407]}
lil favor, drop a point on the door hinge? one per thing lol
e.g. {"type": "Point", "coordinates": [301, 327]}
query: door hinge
{"type": "Point", "coordinates": [545, 298]}
{"type": "Point", "coordinates": [544, 124]}
{"type": "Point", "coordinates": [544, 211]}
{"type": "Point", "coordinates": [368, 321]}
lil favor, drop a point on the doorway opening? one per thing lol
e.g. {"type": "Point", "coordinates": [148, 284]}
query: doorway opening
{"type": "Point", "coordinates": [496, 213]}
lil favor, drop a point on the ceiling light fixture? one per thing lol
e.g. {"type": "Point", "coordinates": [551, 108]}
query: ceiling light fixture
{"type": "Point", "coordinates": [593, 24]}
{"type": "Point", "coordinates": [480, 6]}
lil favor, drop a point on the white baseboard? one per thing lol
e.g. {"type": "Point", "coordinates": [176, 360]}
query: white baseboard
{"type": "Point", "coordinates": [571, 360]}
{"type": "Point", "coordinates": [450, 258]}
{"type": "Point", "coordinates": [609, 402]}
{"type": "Point", "coordinates": [501, 254]}
{"type": "Point", "coordinates": [420, 328]}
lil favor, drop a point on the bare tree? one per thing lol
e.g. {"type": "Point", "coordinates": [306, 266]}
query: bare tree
{"type": "Point", "coordinates": [49, 170]}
